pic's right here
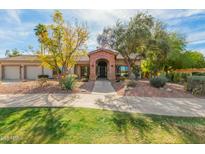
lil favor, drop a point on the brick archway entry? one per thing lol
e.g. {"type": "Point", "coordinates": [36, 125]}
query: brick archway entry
{"type": "Point", "coordinates": [99, 55]}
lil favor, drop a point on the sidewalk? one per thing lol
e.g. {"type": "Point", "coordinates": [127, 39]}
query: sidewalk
{"type": "Point", "coordinates": [103, 87]}
{"type": "Point", "coordinates": [147, 105]}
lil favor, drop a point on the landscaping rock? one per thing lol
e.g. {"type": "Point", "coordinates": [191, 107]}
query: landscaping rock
{"type": "Point", "coordinates": [130, 88]}
{"type": "Point", "coordinates": [169, 90]}
{"type": "Point", "coordinates": [83, 90]}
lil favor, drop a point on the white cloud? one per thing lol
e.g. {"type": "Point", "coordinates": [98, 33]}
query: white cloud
{"type": "Point", "coordinates": [174, 14]}
{"type": "Point", "coordinates": [98, 19]}
{"type": "Point", "coordinates": [109, 16]}
{"type": "Point", "coordinates": [17, 33]}
{"type": "Point", "coordinates": [197, 42]}
{"type": "Point", "coordinates": [13, 16]}
{"type": "Point", "coordinates": [101, 17]}
{"type": "Point", "coordinates": [196, 37]}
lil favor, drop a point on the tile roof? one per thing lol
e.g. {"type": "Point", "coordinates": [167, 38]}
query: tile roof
{"type": "Point", "coordinates": [34, 57]}
{"type": "Point", "coordinates": [20, 58]}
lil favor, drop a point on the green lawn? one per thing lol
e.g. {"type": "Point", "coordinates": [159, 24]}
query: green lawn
{"type": "Point", "coordinates": [77, 125]}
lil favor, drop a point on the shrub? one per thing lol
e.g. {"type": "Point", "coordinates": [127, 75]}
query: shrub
{"type": "Point", "coordinates": [122, 78]}
{"type": "Point", "coordinates": [68, 82]}
{"type": "Point", "coordinates": [42, 76]}
{"type": "Point", "coordinates": [170, 76]}
{"type": "Point", "coordinates": [196, 85]}
{"type": "Point", "coordinates": [184, 77]}
{"type": "Point", "coordinates": [198, 74]}
{"type": "Point", "coordinates": [131, 83]}
{"type": "Point", "coordinates": [158, 82]}
{"type": "Point", "coordinates": [42, 82]}
{"type": "Point", "coordinates": [177, 77]}
{"type": "Point", "coordinates": [85, 79]}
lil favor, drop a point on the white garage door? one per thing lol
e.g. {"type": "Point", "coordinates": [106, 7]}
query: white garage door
{"type": "Point", "coordinates": [48, 72]}
{"type": "Point", "coordinates": [12, 72]}
{"type": "Point", "coordinates": [32, 72]}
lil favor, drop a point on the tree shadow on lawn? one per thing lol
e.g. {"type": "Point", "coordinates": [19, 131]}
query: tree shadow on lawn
{"type": "Point", "coordinates": [50, 125]}
{"type": "Point", "coordinates": [149, 127]}
{"type": "Point", "coordinates": [53, 128]}
{"type": "Point", "coordinates": [39, 126]}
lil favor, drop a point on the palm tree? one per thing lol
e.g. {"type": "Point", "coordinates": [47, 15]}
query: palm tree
{"type": "Point", "coordinates": [41, 31]}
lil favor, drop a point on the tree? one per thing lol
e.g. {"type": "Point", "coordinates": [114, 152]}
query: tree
{"type": "Point", "coordinates": [63, 43]}
{"type": "Point", "coordinates": [130, 39]}
{"type": "Point", "coordinates": [193, 59]}
{"type": "Point", "coordinates": [143, 36]}
{"type": "Point", "coordinates": [13, 53]}
{"type": "Point", "coordinates": [175, 58]}
{"type": "Point", "coordinates": [107, 38]}
{"type": "Point", "coordinates": [41, 32]}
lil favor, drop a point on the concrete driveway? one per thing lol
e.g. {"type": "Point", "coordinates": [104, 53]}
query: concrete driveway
{"type": "Point", "coordinates": [148, 105]}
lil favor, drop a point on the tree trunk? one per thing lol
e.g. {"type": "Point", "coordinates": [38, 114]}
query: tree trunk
{"type": "Point", "coordinates": [64, 69]}
{"type": "Point", "coordinates": [129, 70]}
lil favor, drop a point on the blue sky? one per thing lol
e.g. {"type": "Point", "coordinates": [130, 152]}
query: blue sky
{"type": "Point", "coordinates": [16, 26]}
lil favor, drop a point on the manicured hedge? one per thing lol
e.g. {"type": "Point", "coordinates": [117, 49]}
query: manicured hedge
{"type": "Point", "coordinates": [196, 84]}
{"type": "Point", "coordinates": [42, 76]}
{"type": "Point", "coordinates": [198, 74]}
{"type": "Point", "coordinates": [158, 82]}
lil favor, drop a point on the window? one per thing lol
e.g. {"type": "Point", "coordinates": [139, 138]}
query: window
{"type": "Point", "coordinates": [84, 71]}
{"type": "Point", "coordinates": [122, 71]}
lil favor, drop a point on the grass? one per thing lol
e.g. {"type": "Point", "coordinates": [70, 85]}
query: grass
{"type": "Point", "coordinates": [77, 125]}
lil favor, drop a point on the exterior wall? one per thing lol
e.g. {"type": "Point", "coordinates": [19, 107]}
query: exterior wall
{"type": "Point", "coordinates": [77, 69]}
{"type": "Point", "coordinates": [110, 57]}
{"type": "Point", "coordinates": [94, 57]}
{"type": "Point", "coordinates": [22, 67]}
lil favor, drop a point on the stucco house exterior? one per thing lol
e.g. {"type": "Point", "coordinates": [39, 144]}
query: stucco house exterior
{"type": "Point", "coordinates": [100, 63]}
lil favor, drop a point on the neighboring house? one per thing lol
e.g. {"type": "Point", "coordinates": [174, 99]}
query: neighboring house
{"type": "Point", "coordinates": [100, 63]}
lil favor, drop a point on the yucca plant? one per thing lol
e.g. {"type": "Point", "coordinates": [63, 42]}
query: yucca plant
{"type": "Point", "coordinates": [68, 82]}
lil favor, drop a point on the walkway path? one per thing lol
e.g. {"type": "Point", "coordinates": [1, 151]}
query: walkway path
{"type": "Point", "coordinates": [161, 106]}
{"type": "Point", "coordinates": [103, 87]}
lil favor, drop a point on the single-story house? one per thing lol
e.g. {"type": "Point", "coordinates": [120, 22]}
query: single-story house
{"type": "Point", "coordinates": [100, 63]}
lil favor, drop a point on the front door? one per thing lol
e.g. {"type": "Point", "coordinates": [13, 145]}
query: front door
{"type": "Point", "coordinates": [102, 69]}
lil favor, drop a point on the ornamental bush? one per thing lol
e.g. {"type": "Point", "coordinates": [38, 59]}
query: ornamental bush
{"type": "Point", "coordinates": [42, 76]}
{"type": "Point", "coordinates": [42, 82]}
{"type": "Point", "coordinates": [68, 82]}
{"type": "Point", "coordinates": [131, 83]}
{"type": "Point", "coordinates": [158, 82]}
{"type": "Point", "coordinates": [196, 85]}
{"type": "Point", "coordinates": [198, 74]}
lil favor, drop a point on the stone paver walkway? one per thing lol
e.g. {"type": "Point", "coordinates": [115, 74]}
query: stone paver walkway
{"type": "Point", "coordinates": [148, 105]}
{"type": "Point", "coordinates": [103, 87]}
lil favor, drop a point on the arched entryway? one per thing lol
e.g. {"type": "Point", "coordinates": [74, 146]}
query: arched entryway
{"type": "Point", "coordinates": [102, 68]}
{"type": "Point", "coordinates": [102, 64]}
